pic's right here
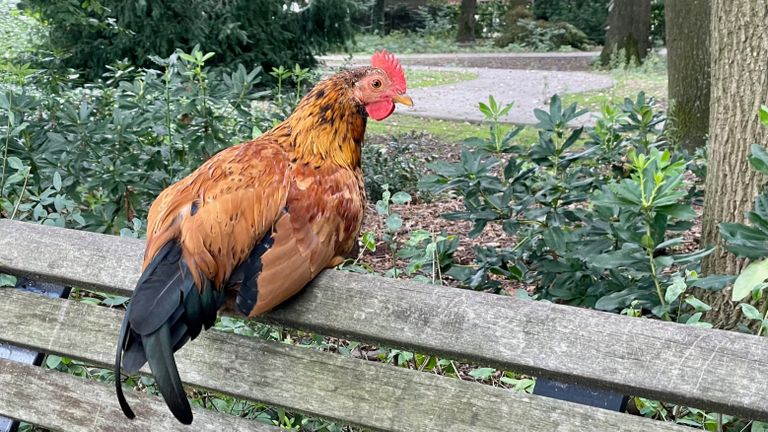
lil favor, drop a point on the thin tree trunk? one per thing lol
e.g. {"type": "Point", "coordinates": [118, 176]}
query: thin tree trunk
{"type": "Point", "coordinates": [739, 86]}
{"type": "Point", "coordinates": [466, 31]}
{"type": "Point", "coordinates": [377, 16]}
{"type": "Point", "coordinates": [688, 67]}
{"type": "Point", "coordinates": [628, 32]}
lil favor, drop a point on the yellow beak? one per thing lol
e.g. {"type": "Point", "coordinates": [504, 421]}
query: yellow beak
{"type": "Point", "coordinates": [403, 99]}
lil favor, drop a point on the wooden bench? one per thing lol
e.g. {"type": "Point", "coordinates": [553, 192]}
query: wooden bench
{"type": "Point", "coordinates": [715, 370]}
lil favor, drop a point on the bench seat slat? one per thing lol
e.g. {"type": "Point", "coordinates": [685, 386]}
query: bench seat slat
{"type": "Point", "coordinates": [373, 395]}
{"type": "Point", "coordinates": [60, 401]}
{"type": "Point", "coordinates": [707, 369]}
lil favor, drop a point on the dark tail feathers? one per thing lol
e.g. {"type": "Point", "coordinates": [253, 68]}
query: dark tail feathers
{"type": "Point", "coordinates": [165, 312]}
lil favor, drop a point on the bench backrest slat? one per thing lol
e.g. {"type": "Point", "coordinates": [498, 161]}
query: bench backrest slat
{"type": "Point", "coordinates": [370, 394]}
{"type": "Point", "coordinates": [708, 369]}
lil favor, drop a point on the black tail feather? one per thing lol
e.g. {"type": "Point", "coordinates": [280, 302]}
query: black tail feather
{"type": "Point", "coordinates": [121, 341]}
{"type": "Point", "coordinates": [165, 312]}
{"type": "Point", "coordinates": [158, 347]}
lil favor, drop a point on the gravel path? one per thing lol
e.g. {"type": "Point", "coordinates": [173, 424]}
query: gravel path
{"type": "Point", "coordinates": [557, 61]}
{"type": "Point", "coordinates": [527, 88]}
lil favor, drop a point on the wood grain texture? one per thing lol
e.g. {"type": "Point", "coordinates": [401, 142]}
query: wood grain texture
{"type": "Point", "coordinates": [59, 401]}
{"type": "Point", "coordinates": [708, 369]}
{"type": "Point", "coordinates": [373, 395]}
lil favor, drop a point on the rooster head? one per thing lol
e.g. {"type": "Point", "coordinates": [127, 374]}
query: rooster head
{"type": "Point", "coordinates": [382, 86]}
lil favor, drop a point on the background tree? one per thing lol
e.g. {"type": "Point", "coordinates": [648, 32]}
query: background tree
{"type": "Point", "coordinates": [251, 32]}
{"type": "Point", "coordinates": [629, 27]}
{"type": "Point", "coordinates": [739, 86]}
{"type": "Point", "coordinates": [688, 67]}
{"type": "Point", "coordinates": [377, 16]}
{"type": "Point", "coordinates": [466, 32]}
{"type": "Point", "coordinates": [589, 16]}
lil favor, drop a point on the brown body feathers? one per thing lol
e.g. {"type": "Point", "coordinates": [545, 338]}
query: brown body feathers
{"type": "Point", "coordinates": [301, 182]}
{"type": "Point", "coordinates": [254, 224]}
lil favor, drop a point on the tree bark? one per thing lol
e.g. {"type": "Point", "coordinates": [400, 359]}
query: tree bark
{"type": "Point", "coordinates": [628, 32]}
{"type": "Point", "coordinates": [688, 68]}
{"type": "Point", "coordinates": [739, 86]}
{"type": "Point", "coordinates": [466, 26]}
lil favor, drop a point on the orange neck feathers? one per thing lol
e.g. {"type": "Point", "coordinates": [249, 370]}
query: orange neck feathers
{"type": "Point", "coordinates": [328, 124]}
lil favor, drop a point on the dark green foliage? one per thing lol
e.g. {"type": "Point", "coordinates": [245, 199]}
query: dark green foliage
{"type": "Point", "coordinates": [543, 35]}
{"type": "Point", "coordinates": [589, 16]}
{"type": "Point", "coordinates": [393, 163]}
{"type": "Point", "coordinates": [263, 33]}
{"type": "Point", "coordinates": [597, 219]}
{"type": "Point", "coordinates": [95, 156]}
{"type": "Point", "coordinates": [520, 28]}
{"type": "Point", "coordinates": [658, 23]}
{"type": "Point", "coordinates": [436, 18]}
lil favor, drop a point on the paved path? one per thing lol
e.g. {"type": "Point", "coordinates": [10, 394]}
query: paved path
{"type": "Point", "coordinates": [528, 89]}
{"type": "Point", "coordinates": [558, 61]}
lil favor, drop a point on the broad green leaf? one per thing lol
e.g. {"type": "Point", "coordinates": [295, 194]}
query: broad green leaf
{"type": "Point", "coordinates": [764, 115]}
{"type": "Point", "coordinates": [673, 291]}
{"type": "Point", "coordinates": [7, 280]}
{"type": "Point", "coordinates": [369, 241]}
{"type": "Point", "coordinates": [759, 158]}
{"type": "Point", "coordinates": [52, 361]}
{"type": "Point", "coordinates": [482, 373]}
{"type": "Point", "coordinates": [401, 198]}
{"type": "Point", "coordinates": [394, 222]}
{"type": "Point", "coordinates": [485, 110]}
{"type": "Point", "coordinates": [750, 312]}
{"type": "Point", "coordinates": [754, 274]}
{"type": "Point", "coordinates": [382, 207]}
{"type": "Point", "coordinates": [697, 304]}
{"type": "Point", "coordinates": [57, 181]}
{"type": "Point", "coordinates": [15, 163]}
{"type": "Point", "coordinates": [623, 257]}
{"type": "Point", "coordinates": [695, 320]}
{"type": "Point", "coordinates": [115, 300]}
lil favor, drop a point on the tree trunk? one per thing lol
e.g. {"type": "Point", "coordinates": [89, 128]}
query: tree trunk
{"type": "Point", "coordinates": [466, 31]}
{"type": "Point", "coordinates": [377, 16]}
{"type": "Point", "coordinates": [739, 86]}
{"type": "Point", "coordinates": [688, 68]}
{"type": "Point", "coordinates": [628, 32]}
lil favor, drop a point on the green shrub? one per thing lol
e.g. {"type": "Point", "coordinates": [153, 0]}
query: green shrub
{"type": "Point", "coordinates": [597, 218]}
{"type": "Point", "coordinates": [521, 29]}
{"type": "Point", "coordinates": [392, 163]}
{"type": "Point", "coordinates": [589, 16]}
{"type": "Point", "coordinates": [111, 146]}
{"type": "Point", "coordinates": [263, 33]}
{"type": "Point", "coordinates": [542, 35]}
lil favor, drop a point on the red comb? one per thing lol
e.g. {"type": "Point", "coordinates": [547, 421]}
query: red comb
{"type": "Point", "coordinates": [389, 64]}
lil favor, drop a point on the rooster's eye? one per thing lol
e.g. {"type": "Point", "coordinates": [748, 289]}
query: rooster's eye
{"type": "Point", "coordinates": [375, 84]}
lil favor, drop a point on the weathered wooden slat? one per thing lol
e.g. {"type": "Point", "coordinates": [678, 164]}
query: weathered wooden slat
{"type": "Point", "coordinates": [373, 395]}
{"type": "Point", "coordinates": [722, 371]}
{"type": "Point", "coordinates": [64, 402]}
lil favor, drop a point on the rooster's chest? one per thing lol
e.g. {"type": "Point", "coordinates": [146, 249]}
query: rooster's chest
{"type": "Point", "coordinates": [331, 201]}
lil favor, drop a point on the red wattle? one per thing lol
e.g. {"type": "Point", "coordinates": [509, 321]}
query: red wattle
{"type": "Point", "coordinates": [380, 110]}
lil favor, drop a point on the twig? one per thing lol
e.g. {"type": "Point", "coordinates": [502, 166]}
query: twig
{"type": "Point", "coordinates": [21, 194]}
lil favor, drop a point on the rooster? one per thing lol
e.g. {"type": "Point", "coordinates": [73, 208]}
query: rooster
{"type": "Point", "coordinates": [254, 224]}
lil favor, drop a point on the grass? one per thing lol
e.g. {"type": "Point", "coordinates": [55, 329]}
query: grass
{"type": "Point", "coordinates": [650, 78]}
{"type": "Point", "coordinates": [450, 131]}
{"type": "Point", "coordinates": [428, 78]}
